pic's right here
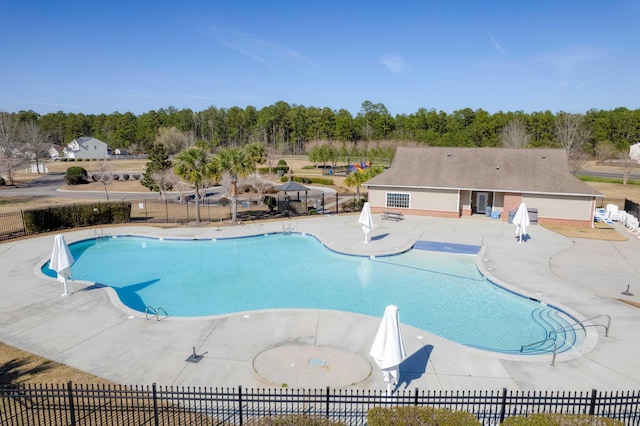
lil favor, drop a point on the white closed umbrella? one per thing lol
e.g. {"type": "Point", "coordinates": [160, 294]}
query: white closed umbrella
{"type": "Point", "coordinates": [366, 221]}
{"type": "Point", "coordinates": [388, 347]}
{"type": "Point", "coordinates": [521, 220]}
{"type": "Point", "coordinates": [61, 261]}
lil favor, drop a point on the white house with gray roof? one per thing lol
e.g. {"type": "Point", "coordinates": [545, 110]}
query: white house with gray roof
{"type": "Point", "coordinates": [455, 182]}
{"type": "Point", "coordinates": [86, 148]}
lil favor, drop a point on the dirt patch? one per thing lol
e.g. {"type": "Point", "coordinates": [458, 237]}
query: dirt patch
{"type": "Point", "coordinates": [20, 367]}
{"type": "Point", "coordinates": [598, 232]}
{"type": "Point", "coordinates": [629, 302]}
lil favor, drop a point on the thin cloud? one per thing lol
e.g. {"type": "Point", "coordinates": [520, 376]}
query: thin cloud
{"type": "Point", "coordinates": [260, 50]}
{"type": "Point", "coordinates": [496, 44]}
{"type": "Point", "coordinates": [394, 63]}
{"type": "Point", "coordinates": [243, 51]}
{"type": "Point", "coordinates": [566, 63]}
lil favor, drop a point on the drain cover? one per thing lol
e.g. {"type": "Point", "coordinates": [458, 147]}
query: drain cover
{"type": "Point", "coordinates": [317, 362]}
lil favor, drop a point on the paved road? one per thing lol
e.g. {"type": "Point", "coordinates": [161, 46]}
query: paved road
{"type": "Point", "coordinates": [49, 186]}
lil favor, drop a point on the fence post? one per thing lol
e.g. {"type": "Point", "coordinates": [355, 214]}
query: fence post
{"type": "Point", "coordinates": [166, 209]}
{"type": "Point", "coordinates": [240, 403]}
{"type": "Point", "coordinates": [327, 407]}
{"type": "Point", "coordinates": [503, 404]}
{"type": "Point", "coordinates": [24, 227]}
{"type": "Point", "coordinates": [72, 413]}
{"type": "Point", "coordinates": [592, 405]}
{"type": "Point", "coordinates": [415, 397]}
{"type": "Point", "coordinates": [155, 404]}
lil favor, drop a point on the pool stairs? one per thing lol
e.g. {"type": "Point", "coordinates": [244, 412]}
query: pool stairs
{"type": "Point", "coordinates": [560, 338]}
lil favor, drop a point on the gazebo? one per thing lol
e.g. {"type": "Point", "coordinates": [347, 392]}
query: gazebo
{"type": "Point", "coordinates": [292, 186]}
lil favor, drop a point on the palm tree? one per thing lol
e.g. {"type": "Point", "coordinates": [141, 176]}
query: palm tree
{"type": "Point", "coordinates": [194, 166]}
{"type": "Point", "coordinates": [357, 178]}
{"type": "Point", "coordinates": [237, 162]}
{"type": "Point", "coordinates": [256, 152]}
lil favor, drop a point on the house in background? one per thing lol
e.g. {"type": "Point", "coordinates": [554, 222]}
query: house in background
{"type": "Point", "coordinates": [455, 182]}
{"type": "Point", "coordinates": [634, 152]}
{"type": "Point", "coordinates": [86, 148]}
{"type": "Point", "coordinates": [56, 152]}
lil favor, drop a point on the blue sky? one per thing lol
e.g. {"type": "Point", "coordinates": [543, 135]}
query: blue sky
{"type": "Point", "coordinates": [105, 56]}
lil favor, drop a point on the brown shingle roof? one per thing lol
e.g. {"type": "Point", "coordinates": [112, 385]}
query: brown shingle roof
{"type": "Point", "coordinates": [543, 171]}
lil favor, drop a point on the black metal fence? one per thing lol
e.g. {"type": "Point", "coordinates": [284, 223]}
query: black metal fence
{"type": "Point", "coordinates": [12, 225]}
{"type": "Point", "coordinates": [632, 207]}
{"type": "Point", "coordinates": [156, 405]}
{"type": "Point", "coordinates": [175, 212]}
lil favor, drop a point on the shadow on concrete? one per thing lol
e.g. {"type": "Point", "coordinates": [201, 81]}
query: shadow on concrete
{"type": "Point", "coordinates": [413, 367]}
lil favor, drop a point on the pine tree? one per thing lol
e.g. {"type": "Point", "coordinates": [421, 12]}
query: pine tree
{"type": "Point", "coordinates": [158, 160]}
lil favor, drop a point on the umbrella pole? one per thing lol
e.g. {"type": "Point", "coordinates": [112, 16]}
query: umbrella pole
{"type": "Point", "coordinates": [66, 293]}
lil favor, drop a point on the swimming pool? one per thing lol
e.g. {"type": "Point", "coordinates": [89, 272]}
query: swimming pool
{"type": "Point", "coordinates": [439, 292]}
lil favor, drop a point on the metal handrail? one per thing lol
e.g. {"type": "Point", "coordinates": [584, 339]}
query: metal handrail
{"type": "Point", "coordinates": [606, 332]}
{"type": "Point", "coordinates": [553, 334]}
{"type": "Point", "coordinates": [160, 308]}
{"type": "Point", "coordinates": [155, 311]}
{"type": "Point", "coordinates": [150, 308]}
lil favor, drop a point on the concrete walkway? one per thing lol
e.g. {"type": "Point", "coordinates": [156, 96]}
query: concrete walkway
{"type": "Point", "coordinates": [91, 330]}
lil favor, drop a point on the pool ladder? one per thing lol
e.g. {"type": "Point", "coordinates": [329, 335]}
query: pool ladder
{"type": "Point", "coordinates": [155, 311]}
{"type": "Point", "coordinates": [553, 334]}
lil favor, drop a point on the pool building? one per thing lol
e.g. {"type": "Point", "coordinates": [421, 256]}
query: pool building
{"type": "Point", "coordinates": [455, 182]}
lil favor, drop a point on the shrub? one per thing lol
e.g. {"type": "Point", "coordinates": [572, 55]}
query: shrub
{"type": "Point", "coordinates": [63, 159]}
{"type": "Point", "coordinates": [281, 170]}
{"type": "Point", "coordinates": [65, 217]}
{"type": "Point", "coordinates": [76, 170]}
{"type": "Point", "coordinates": [427, 416]}
{"type": "Point", "coordinates": [270, 202]}
{"type": "Point", "coordinates": [282, 167]}
{"type": "Point", "coordinates": [292, 420]}
{"type": "Point", "coordinates": [136, 176]}
{"type": "Point", "coordinates": [125, 176]}
{"type": "Point", "coordinates": [560, 420]}
{"type": "Point", "coordinates": [116, 177]}
{"type": "Point", "coordinates": [309, 180]}
{"type": "Point", "coordinates": [76, 175]}
{"type": "Point", "coordinates": [2, 182]}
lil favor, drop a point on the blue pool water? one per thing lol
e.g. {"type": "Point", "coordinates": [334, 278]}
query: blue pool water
{"type": "Point", "coordinates": [443, 293]}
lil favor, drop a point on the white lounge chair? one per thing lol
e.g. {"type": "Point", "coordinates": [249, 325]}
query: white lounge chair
{"type": "Point", "coordinates": [633, 224]}
{"type": "Point", "coordinates": [622, 220]}
{"type": "Point", "coordinates": [612, 212]}
{"type": "Point", "coordinates": [600, 215]}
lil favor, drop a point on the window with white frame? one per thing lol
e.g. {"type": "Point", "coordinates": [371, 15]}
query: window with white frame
{"type": "Point", "coordinates": [398, 199]}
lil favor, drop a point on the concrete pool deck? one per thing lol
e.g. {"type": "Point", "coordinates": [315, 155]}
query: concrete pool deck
{"type": "Point", "coordinates": [92, 331]}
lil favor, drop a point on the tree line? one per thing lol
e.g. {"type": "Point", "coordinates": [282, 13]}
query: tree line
{"type": "Point", "coordinates": [289, 128]}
